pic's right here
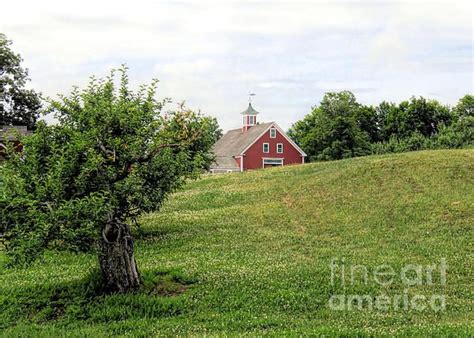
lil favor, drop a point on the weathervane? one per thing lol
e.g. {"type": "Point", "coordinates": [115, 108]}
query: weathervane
{"type": "Point", "coordinates": [250, 97]}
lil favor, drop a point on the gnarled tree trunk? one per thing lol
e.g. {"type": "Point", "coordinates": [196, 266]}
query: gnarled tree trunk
{"type": "Point", "coordinates": [117, 262]}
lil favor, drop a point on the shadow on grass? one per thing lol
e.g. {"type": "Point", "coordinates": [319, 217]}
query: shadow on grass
{"type": "Point", "coordinates": [160, 295]}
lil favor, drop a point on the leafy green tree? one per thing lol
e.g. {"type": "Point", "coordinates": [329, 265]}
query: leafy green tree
{"type": "Point", "coordinates": [465, 106]}
{"type": "Point", "coordinates": [331, 131]}
{"type": "Point", "coordinates": [424, 116]}
{"type": "Point", "coordinates": [460, 132]}
{"type": "Point", "coordinates": [114, 155]}
{"type": "Point", "coordinates": [18, 105]}
{"type": "Point", "coordinates": [389, 116]}
{"type": "Point", "coordinates": [370, 122]}
{"type": "Point", "coordinates": [416, 115]}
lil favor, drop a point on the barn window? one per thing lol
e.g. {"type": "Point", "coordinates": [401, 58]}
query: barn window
{"type": "Point", "coordinates": [280, 148]}
{"type": "Point", "coordinates": [273, 133]}
{"type": "Point", "coordinates": [266, 148]}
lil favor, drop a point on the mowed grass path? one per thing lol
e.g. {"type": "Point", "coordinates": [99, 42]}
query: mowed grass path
{"type": "Point", "coordinates": [250, 254]}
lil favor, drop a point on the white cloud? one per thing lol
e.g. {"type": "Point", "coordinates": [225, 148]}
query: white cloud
{"type": "Point", "coordinates": [213, 53]}
{"type": "Point", "coordinates": [347, 85]}
{"type": "Point", "coordinates": [194, 67]}
{"type": "Point", "coordinates": [389, 48]}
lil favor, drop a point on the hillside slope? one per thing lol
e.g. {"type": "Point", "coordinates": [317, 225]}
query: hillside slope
{"type": "Point", "coordinates": [252, 253]}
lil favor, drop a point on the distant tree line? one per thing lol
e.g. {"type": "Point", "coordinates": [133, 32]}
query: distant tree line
{"type": "Point", "coordinates": [340, 127]}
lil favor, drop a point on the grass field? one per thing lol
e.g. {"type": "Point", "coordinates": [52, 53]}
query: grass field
{"type": "Point", "coordinates": [250, 254]}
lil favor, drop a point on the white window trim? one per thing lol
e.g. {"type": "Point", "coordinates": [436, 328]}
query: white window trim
{"type": "Point", "coordinates": [247, 119]}
{"type": "Point", "coordinates": [280, 144]}
{"type": "Point", "coordinates": [273, 132]}
{"type": "Point", "coordinates": [263, 148]}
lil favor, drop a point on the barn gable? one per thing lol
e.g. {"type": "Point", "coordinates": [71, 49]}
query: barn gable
{"type": "Point", "coordinates": [273, 147]}
{"type": "Point", "coordinates": [279, 132]}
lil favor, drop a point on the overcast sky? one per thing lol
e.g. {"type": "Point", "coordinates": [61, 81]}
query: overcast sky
{"type": "Point", "coordinates": [212, 54]}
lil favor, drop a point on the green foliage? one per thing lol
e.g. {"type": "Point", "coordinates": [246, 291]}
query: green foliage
{"type": "Point", "coordinates": [18, 105]}
{"type": "Point", "coordinates": [418, 115]}
{"type": "Point", "coordinates": [331, 131]}
{"type": "Point", "coordinates": [457, 135]}
{"type": "Point", "coordinates": [340, 127]}
{"type": "Point", "coordinates": [416, 141]}
{"type": "Point", "coordinates": [465, 106]}
{"type": "Point", "coordinates": [113, 155]}
{"type": "Point", "coordinates": [370, 121]}
{"type": "Point", "coordinates": [253, 253]}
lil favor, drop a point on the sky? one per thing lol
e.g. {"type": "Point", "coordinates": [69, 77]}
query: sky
{"type": "Point", "coordinates": [212, 54]}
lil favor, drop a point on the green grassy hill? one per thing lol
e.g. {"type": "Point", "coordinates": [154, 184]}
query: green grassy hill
{"type": "Point", "coordinates": [251, 253]}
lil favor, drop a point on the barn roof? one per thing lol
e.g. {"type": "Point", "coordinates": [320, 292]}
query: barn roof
{"type": "Point", "coordinates": [10, 133]}
{"type": "Point", "coordinates": [234, 141]}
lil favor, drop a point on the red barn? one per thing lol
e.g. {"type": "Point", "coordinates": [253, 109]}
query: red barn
{"type": "Point", "coordinates": [255, 145]}
{"type": "Point", "coordinates": [9, 134]}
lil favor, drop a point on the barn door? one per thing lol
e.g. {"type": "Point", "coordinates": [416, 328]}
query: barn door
{"type": "Point", "coordinates": [272, 162]}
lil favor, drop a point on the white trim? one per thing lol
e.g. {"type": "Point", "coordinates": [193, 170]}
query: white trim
{"type": "Point", "coordinates": [273, 124]}
{"type": "Point", "coordinates": [282, 149]}
{"type": "Point", "coordinates": [273, 129]}
{"type": "Point", "coordinates": [241, 165]}
{"type": "Point", "coordinates": [273, 158]}
{"type": "Point", "coordinates": [263, 148]}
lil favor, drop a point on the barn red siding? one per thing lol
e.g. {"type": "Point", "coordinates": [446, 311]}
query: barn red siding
{"type": "Point", "coordinates": [254, 155]}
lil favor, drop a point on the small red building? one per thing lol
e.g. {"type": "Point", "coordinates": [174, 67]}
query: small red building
{"type": "Point", "coordinates": [10, 134]}
{"type": "Point", "coordinates": [255, 145]}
